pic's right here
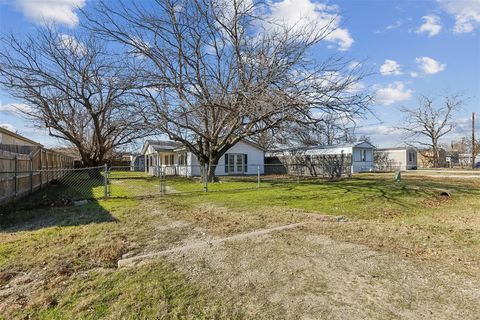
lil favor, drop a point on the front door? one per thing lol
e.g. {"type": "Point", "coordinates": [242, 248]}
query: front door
{"type": "Point", "coordinates": [235, 163]}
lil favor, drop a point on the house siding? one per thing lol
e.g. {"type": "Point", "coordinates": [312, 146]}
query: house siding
{"type": "Point", "coordinates": [400, 158]}
{"type": "Point", "coordinates": [256, 157]}
{"type": "Point", "coordinates": [357, 164]}
{"type": "Point", "coordinates": [352, 152]}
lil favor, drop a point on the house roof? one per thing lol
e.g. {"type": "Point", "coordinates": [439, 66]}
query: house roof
{"type": "Point", "coordinates": [16, 135]}
{"type": "Point", "coordinates": [322, 147]}
{"type": "Point", "coordinates": [169, 145]}
{"type": "Point", "coordinates": [161, 145]}
{"type": "Point", "coordinates": [395, 148]}
{"type": "Point", "coordinates": [246, 141]}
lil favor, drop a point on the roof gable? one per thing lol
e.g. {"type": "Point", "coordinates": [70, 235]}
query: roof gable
{"type": "Point", "coordinates": [159, 145]}
{"type": "Point", "coordinates": [252, 144]}
{"type": "Point", "coordinates": [363, 144]}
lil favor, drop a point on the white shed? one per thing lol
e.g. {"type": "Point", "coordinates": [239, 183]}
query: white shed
{"type": "Point", "coordinates": [399, 158]}
{"type": "Point", "coordinates": [360, 153]}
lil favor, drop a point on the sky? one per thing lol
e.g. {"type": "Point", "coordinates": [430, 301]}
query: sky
{"type": "Point", "coordinates": [411, 48]}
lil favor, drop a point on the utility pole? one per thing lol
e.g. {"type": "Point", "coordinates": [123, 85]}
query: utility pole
{"type": "Point", "coordinates": [473, 140]}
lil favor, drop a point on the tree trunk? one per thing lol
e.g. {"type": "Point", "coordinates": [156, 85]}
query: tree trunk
{"type": "Point", "coordinates": [95, 171]}
{"type": "Point", "coordinates": [208, 168]}
{"type": "Point", "coordinates": [211, 172]}
{"type": "Point", "coordinates": [435, 156]}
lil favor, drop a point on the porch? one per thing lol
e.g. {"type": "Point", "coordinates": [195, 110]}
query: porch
{"type": "Point", "coordinates": [167, 163]}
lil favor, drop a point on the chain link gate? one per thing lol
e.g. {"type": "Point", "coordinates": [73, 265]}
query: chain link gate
{"type": "Point", "coordinates": [130, 181]}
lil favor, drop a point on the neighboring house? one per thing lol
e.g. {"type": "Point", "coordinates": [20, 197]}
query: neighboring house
{"type": "Point", "coordinates": [24, 165]}
{"type": "Point", "coordinates": [358, 156]}
{"type": "Point", "coordinates": [465, 159]}
{"type": "Point", "coordinates": [400, 158]}
{"type": "Point", "coordinates": [425, 158]}
{"type": "Point", "coordinates": [452, 160]}
{"type": "Point", "coordinates": [137, 162]}
{"type": "Point", "coordinates": [244, 158]}
{"type": "Point", "coordinates": [13, 142]}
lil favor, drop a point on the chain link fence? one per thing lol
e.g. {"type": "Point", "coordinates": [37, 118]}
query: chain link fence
{"type": "Point", "coordinates": [52, 187]}
{"type": "Point", "coordinates": [68, 186]}
{"type": "Point", "coordinates": [177, 179]}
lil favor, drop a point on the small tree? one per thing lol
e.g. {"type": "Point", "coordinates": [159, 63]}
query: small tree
{"type": "Point", "coordinates": [216, 72]}
{"type": "Point", "coordinates": [74, 87]}
{"type": "Point", "coordinates": [426, 124]}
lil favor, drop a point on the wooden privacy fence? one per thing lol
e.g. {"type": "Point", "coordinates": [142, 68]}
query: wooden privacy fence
{"type": "Point", "coordinates": [22, 174]}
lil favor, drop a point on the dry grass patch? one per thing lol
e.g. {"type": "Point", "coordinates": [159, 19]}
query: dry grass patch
{"type": "Point", "coordinates": [219, 220]}
{"type": "Point", "coordinates": [303, 274]}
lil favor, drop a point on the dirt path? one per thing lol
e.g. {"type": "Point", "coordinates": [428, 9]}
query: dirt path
{"type": "Point", "coordinates": [301, 274]}
{"type": "Point", "coordinates": [466, 174]}
{"type": "Point", "coordinates": [293, 271]}
{"type": "Point", "coordinates": [202, 243]}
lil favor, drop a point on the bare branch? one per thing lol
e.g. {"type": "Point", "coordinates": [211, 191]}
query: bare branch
{"type": "Point", "coordinates": [74, 87]}
{"type": "Point", "coordinates": [426, 124]}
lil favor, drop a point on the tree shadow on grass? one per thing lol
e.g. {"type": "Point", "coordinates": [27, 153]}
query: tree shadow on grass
{"type": "Point", "coordinates": [34, 219]}
{"type": "Point", "coordinates": [364, 190]}
{"type": "Point", "coordinates": [53, 206]}
{"type": "Point", "coordinates": [400, 193]}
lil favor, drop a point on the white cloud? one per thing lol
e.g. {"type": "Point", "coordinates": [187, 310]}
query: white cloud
{"type": "Point", "coordinates": [377, 130]}
{"type": "Point", "coordinates": [397, 24]}
{"type": "Point", "coordinates": [354, 65]}
{"type": "Point", "coordinates": [463, 126]}
{"type": "Point", "coordinates": [14, 108]}
{"type": "Point", "coordinates": [394, 92]}
{"type": "Point", "coordinates": [429, 65]}
{"type": "Point", "coordinates": [72, 45]}
{"type": "Point", "coordinates": [8, 126]}
{"type": "Point", "coordinates": [58, 11]}
{"type": "Point", "coordinates": [305, 13]}
{"type": "Point", "coordinates": [414, 74]}
{"type": "Point", "coordinates": [431, 25]}
{"type": "Point", "coordinates": [336, 77]}
{"type": "Point", "coordinates": [390, 67]}
{"type": "Point", "coordinates": [466, 13]}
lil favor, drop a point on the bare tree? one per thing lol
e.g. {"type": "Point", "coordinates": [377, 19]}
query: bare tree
{"type": "Point", "coordinates": [74, 88]}
{"type": "Point", "coordinates": [216, 72]}
{"type": "Point", "coordinates": [426, 124]}
{"type": "Point", "coordinates": [328, 130]}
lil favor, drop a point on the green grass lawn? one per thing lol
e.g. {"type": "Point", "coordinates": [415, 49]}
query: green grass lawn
{"type": "Point", "coordinates": [60, 261]}
{"type": "Point", "coordinates": [364, 196]}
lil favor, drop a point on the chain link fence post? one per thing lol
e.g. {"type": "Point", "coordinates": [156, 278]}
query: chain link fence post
{"type": "Point", "coordinates": [15, 176]}
{"type": "Point", "coordinates": [31, 177]}
{"type": "Point", "coordinates": [105, 181]}
{"type": "Point", "coordinates": [258, 176]}
{"type": "Point", "coordinates": [161, 180]}
{"type": "Point", "coordinates": [205, 181]}
{"type": "Point", "coordinates": [298, 173]}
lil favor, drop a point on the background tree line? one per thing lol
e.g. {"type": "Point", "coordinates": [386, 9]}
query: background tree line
{"type": "Point", "coordinates": [205, 73]}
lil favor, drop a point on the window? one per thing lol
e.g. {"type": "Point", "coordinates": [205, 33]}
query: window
{"type": "Point", "coordinates": [182, 159]}
{"type": "Point", "coordinates": [363, 155]}
{"type": "Point", "coordinates": [411, 156]}
{"type": "Point", "coordinates": [172, 159]}
{"type": "Point", "coordinates": [235, 163]}
{"type": "Point", "coordinates": [166, 160]}
{"type": "Point", "coordinates": [231, 163]}
{"type": "Point", "coordinates": [239, 163]}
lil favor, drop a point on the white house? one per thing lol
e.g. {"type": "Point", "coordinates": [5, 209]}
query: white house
{"type": "Point", "coordinates": [244, 158]}
{"type": "Point", "coordinates": [400, 158]}
{"type": "Point", "coordinates": [360, 154]}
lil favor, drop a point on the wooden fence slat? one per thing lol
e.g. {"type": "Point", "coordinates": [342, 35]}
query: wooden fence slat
{"type": "Point", "coordinates": [22, 174]}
